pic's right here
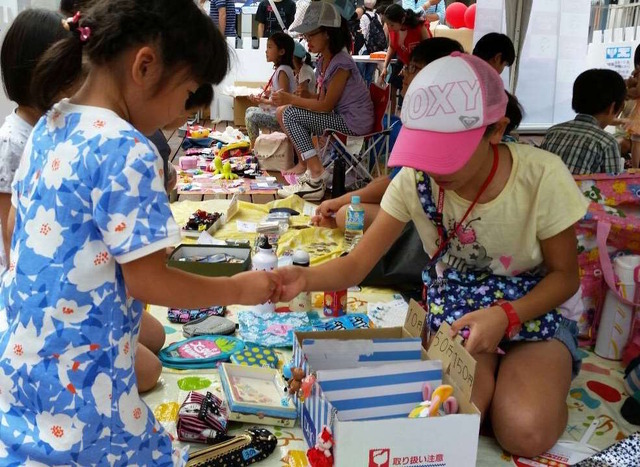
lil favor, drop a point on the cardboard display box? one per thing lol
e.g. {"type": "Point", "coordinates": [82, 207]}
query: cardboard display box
{"type": "Point", "coordinates": [242, 103]}
{"type": "Point", "coordinates": [367, 382]}
{"type": "Point", "coordinates": [210, 269]}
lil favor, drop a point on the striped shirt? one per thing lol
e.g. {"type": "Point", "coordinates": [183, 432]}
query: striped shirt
{"type": "Point", "coordinates": [584, 147]}
{"type": "Point", "coordinates": [230, 25]}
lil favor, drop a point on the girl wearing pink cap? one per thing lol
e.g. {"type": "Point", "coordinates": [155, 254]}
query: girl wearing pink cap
{"type": "Point", "coordinates": [497, 222]}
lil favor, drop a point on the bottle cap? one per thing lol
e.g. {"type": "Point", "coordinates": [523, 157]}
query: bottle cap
{"type": "Point", "coordinates": [263, 243]}
{"type": "Point", "coordinates": [301, 258]}
{"type": "Point", "coordinates": [355, 199]}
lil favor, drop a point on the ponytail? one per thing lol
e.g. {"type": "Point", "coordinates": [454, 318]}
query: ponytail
{"type": "Point", "coordinates": [58, 69]}
{"type": "Point", "coordinates": [408, 17]}
{"type": "Point", "coordinates": [411, 19]}
{"type": "Point", "coordinates": [106, 29]}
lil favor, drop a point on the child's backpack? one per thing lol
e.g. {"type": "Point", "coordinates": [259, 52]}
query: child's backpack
{"type": "Point", "coordinates": [376, 41]}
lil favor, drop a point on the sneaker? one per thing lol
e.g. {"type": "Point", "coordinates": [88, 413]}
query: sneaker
{"type": "Point", "coordinates": [306, 188]}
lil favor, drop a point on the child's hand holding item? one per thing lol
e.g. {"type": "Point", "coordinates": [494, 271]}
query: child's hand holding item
{"type": "Point", "coordinates": [486, 329]}
{"type": "Point", "coordinates": [281, 98]}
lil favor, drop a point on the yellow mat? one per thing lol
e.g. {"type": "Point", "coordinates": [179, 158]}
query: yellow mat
{"type": "Point", "coordinates": [597, 392]}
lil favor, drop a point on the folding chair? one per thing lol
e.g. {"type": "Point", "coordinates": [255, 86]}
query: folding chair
{"type": "Point", "coordinates": [373, 149]}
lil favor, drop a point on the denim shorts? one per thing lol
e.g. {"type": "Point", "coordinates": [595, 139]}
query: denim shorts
{"type": "Point", "coordinates": [567, 333]}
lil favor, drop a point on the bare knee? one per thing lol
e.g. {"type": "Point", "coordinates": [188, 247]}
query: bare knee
{"type": "Point", "coordinates": [527, 433]}
{"type": "Point", "coordinates": [152, 333]}
{"type": "Point", "coordinates": [148, 369]}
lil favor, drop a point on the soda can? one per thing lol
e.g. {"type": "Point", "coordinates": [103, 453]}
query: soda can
{"type": "Point", "coordinates": [335, 303]}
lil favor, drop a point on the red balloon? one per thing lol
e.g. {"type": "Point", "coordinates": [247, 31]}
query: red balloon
{"type": "Point", "coordinates": [470, 17]}
{"type": "Point", "coordinates": [455, 14]}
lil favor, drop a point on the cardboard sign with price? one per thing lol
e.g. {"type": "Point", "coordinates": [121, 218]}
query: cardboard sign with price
{"type": "Point", "coordinates": [456, 361]}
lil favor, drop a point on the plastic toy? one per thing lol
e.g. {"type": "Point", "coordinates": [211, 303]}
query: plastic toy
{"type": "Point", "coordinates": [199, 132]}
{"type": "Point", "coordinates": [307, 386]}
{"type": "Point", "coordinates": [286, 370]}
{"type": "Point", "coordinates": [433, 400]}
{"type": "Point", "coordinates": [295, 383]}
{"type": "Point", "coordinates": [225, 151]}
{"type": "Point", "coordinates": [320, 455]}
{"type": "Point", "coordinates": [217, 165]}
{"type": "Point", "coordinates": [202, 220]}
{"type": "Point", "coordinates": [227, 174]}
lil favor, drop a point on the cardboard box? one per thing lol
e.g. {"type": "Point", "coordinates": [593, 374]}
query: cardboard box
{"type": "Point", "coordinates": [210, 269]}
{"type": "Point", "coordinates": [369, 356]}
{"type": "Point", "coordinates": [242, 103]}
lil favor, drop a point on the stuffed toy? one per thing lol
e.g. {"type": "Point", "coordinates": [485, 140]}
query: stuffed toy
{"type": "Point", "coordinates": [320, 455]}
{"type": "Point", "coordinates": [295, 383]}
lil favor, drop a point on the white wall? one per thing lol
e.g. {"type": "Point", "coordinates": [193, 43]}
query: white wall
{"type": "Point", "coordinates": [554, 53]}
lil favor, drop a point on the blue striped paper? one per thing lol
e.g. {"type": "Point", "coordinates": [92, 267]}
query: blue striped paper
{"type": "Point", "coordinates": [385, 391]}
{"type": "Point", "coordinates": [325, 354]}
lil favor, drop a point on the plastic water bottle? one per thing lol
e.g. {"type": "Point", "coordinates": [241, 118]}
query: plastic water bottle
{"type": "Point", "coordinates": [302, 302]}
{"type": "Point", "coordinates": [354, 223]}
{"type": "Point", "coordinates": [264, 260]}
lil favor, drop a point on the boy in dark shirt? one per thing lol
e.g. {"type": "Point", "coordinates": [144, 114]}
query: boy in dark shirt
{"type": "Point", "coordinates": [267, 19]}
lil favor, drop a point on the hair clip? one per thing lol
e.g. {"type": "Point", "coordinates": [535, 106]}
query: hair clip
{"type": "Point", "coordinates": [85, 33]}
{"type": "Point", "coordinates": [71, 23]}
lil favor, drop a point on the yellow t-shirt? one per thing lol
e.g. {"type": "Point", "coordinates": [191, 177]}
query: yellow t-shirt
{"type": "Point", "coordinates": [503, 236]}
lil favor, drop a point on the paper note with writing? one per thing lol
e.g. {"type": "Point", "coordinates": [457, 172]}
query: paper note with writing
{"type": "Point", "coordinates": [309, 209]}
{"type": "Point", "coordinates": [248, 227]}
{"type": "Point", "coordinates": [414, 323]}
{"type": "Point", "coordinates": [455, 359]}
{"type": "Point", "coordinates": [388, 314]}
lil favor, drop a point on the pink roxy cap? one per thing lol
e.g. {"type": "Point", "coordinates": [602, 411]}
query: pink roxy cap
{"type": "Point", "coordinates": [447, 108]}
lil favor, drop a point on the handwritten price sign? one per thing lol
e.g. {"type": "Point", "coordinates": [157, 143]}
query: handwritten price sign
{"type": "Point", "coordinates": [455, 359]}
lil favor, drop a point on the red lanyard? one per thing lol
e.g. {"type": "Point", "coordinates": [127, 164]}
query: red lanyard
{"type": "Point", "coordinates": [444, 239]}
{"type": "Point", "coordinates": [266, 88]}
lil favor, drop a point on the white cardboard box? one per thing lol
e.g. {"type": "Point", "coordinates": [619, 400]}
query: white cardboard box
{"type": "Point", "coordinates": [447, 441]}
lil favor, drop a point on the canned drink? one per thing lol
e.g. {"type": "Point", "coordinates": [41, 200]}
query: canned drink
{"type": "Point", "coordinates": [335, 303]}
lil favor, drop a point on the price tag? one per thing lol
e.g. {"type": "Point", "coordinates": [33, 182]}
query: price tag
{"type": "Point", "coordinates": [414, 322]}
{"type": "Point", "coordinates": [456, 361]}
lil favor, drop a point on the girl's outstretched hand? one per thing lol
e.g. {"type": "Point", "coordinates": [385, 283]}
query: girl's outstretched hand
{"type": "Point", "coordinates": [255, 287]}
{"type": "Point", "coordinates": [292, 281]}
{"type": "Point", "coordinates": [486, 329]}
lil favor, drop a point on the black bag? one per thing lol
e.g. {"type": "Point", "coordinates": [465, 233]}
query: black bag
{"type": "Point", "coordinates": [401, 268]}
{"type": "Point", "coordinates": [377, 41]}
{"type": "Point", "coordinates": [358, 39]}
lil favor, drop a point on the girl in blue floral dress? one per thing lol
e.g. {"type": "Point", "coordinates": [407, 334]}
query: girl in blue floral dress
{"type": "Point", "coordinates": [92, 224]}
